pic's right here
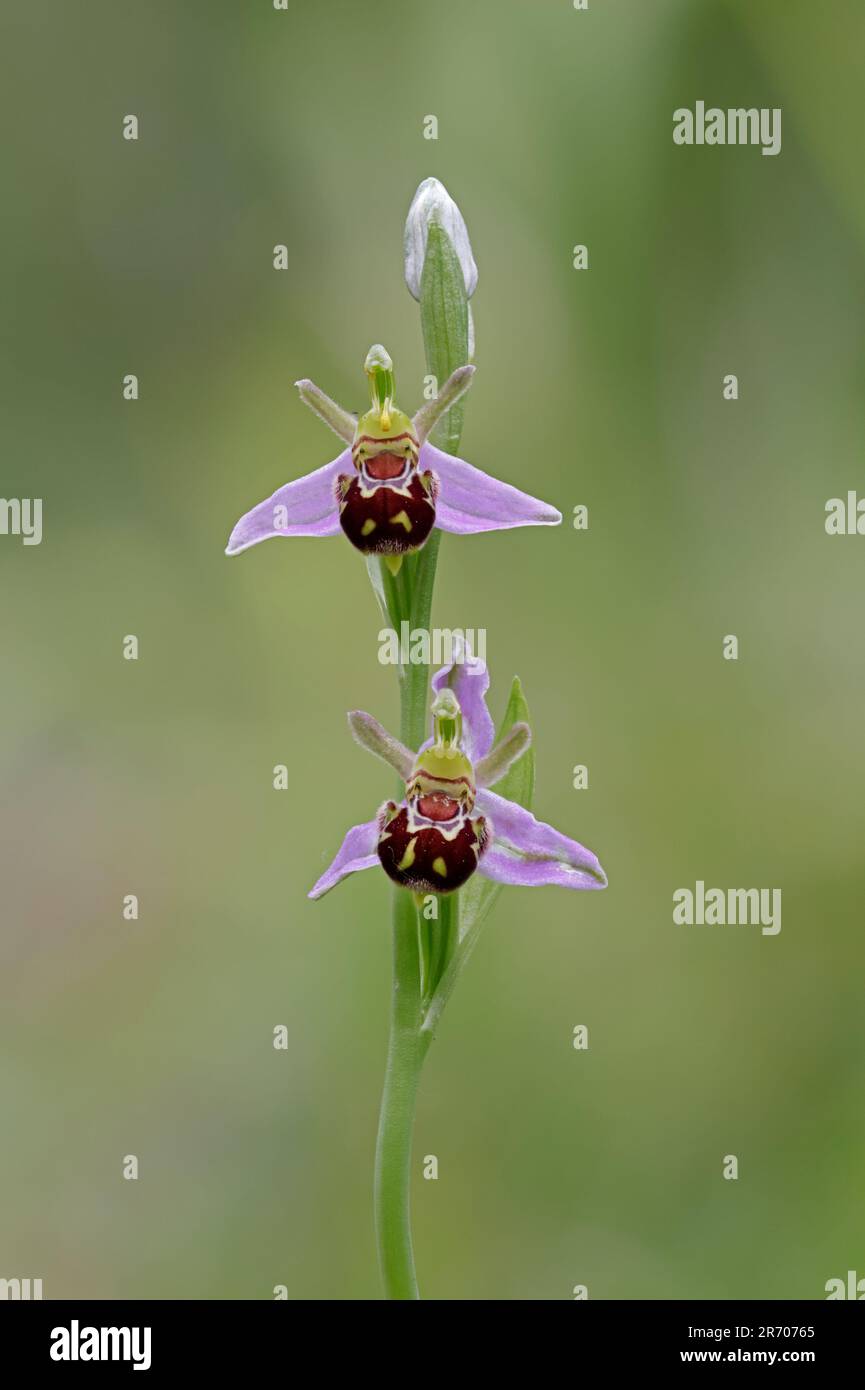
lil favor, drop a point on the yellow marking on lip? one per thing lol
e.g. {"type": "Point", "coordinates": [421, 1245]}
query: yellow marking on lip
{"type": "Point", "coordinates": [401, 519]}
{"type": "Point", "coordinates": [368, 527]}
{"type": "Point", "coordinates": [440, 867]}
{"type": "Point", "coordinates": [408, 858]}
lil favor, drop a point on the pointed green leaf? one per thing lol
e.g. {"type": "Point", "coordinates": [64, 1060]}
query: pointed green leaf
{"type": "Point", "coordinates": [518, 783]}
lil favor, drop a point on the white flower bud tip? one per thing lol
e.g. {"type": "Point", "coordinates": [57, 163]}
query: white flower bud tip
{"type": "Point", "coordinates": [433, 203]}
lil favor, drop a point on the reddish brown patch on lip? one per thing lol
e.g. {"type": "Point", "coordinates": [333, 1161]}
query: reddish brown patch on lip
{"type": "Point", "coordinates": [385, 466]}
{"type": "Point", "coordinates": [438, 806]}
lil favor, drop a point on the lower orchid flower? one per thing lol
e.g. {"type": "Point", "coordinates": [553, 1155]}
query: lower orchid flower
{"type": "Point", "coordinates": [390, 487]}
{"type": "Point", "coordinates": [450, 823]}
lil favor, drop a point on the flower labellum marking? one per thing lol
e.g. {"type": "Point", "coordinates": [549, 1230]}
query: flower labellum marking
{"type": "Point", "coordinates": [408, 858]}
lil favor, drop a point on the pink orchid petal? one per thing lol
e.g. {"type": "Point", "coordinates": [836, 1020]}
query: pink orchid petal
{"type": "Point", "coordinates": [469, 680]}
{"type": "Point", "coordinates": [356, 852]}
{"type": "Point", "coordinates": [310, 508]}
{"type": "Point", "coordinates": [470, 501]}
{"type": "Point", "coordinates": [528, 851]}
{"type": "Point", "coordinates": [501, 866]}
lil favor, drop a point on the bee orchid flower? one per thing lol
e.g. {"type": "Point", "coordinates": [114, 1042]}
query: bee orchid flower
{"type": "Point", "coordinates": [450, 823]}
{"type": "Point", "coordinates": [390, 487]}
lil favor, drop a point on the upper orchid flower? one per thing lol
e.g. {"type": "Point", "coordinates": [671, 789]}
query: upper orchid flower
{"type": "Point", "coordinates": [450, 823]}
{"type": "Point", "coordinates": [390, 487]}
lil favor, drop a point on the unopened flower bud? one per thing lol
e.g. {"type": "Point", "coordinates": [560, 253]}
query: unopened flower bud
{"type": "Point", "coordinates": [433, 203]}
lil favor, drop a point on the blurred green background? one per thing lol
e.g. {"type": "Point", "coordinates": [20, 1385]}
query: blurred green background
{"type": "Point", "coordinates": [600, 387]}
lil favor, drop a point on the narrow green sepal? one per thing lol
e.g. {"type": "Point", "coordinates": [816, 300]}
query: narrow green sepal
{"type": "Point", "coordinates": [429, 415]}
{"type": "Point", "coordinates": [375, 738]}
{"type": "Point", "coordinates": [327, 410]}
{"type": "Point", "coordinates": [502, 757]}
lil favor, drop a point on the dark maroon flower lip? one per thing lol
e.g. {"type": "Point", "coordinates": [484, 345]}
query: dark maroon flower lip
{"type": "Point", "coordinates": [384, 519]}
{"type": "Point", "coordinates": [428, 858]}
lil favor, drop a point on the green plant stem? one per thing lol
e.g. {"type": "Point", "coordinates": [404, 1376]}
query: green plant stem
{"type": "Point", "coordinates": [406, 1051]}
{"type": "Point", "coordinates": [419, 956]}
{"type": "Point", "coordinates": [407, 1045]}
